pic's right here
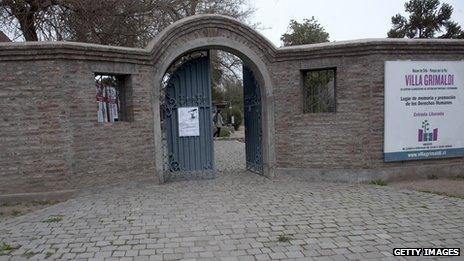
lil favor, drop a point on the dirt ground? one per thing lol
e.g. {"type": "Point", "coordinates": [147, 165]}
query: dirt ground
{"type": "Point", "coordinates": [445, 187]}
{"type": "Point", "coordinates": [11, 210]}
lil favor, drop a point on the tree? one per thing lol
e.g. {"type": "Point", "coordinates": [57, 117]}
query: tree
{"type": "Point", "coordinates": [26, 14]}
{"type": "Point", "coordinates": [233, 92]}
{"type": "Point", "coordinates": [130, 23]}
{"type": "Point", "coordinates": [308, 32]}
{"type": "Point", "coordinates": [427, 19]}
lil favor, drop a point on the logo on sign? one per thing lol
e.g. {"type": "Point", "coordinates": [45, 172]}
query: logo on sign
{"type": "Point", "coordinates": [425, 134]}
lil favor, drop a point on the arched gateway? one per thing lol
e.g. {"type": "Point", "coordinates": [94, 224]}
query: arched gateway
{"type": "Point", "coordinates": [202, 33]}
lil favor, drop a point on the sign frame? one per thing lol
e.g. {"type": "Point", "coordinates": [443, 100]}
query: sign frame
{"type": "Point", "coordinates": [423, 100]}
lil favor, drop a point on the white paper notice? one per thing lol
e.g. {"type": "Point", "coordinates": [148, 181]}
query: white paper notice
{"type": "Point", "coordinates": [189, 122]}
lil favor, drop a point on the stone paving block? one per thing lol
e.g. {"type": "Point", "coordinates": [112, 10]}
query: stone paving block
{"type": "Point", "coordinates": [262, 257]}
{"type": "Point", "coordinates": [238, 216]}
{"type": "Point", "coordinates": [279, 255]}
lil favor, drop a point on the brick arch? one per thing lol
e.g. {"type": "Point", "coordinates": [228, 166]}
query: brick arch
{"type": "Point", "coordinates": [216, 32]}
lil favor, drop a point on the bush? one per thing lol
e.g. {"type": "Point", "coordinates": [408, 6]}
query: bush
{"type": "Point", "coordinates": [378, 182]}
{"type": "Point", "coordinates": [225, 133]}
{"type": "Point", "coordinates": [238, 117]}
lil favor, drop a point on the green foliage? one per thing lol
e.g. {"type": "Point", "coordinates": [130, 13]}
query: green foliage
{"type": "Point", "coordinates": [444, 194]}
{"type": "Point", "coordinates": [54, 219]}
{"type": "Point", "coordinates": [216, 93]}
{"type": "Point", "coordinates": [16, 213]}
{"type": "Point", "coordinates": [378, 182]}
{"type": "Point", "coordinates": [284, 238]}
{"type": "Point", "coordinates": [225, 133]}
{"type": "Point", "coordinates": [29, 254]}
{"type": "Point", "coordinates": [217, 73]}
{"type": "Point", "coordinates": [30, 203]}
{"type": "Point", "coordinates": [44, 202]}
{"type": "Point", "coordinates": [319, 91]}
{"type": "Point", "coordinates": [238, 116]}
{"type": "Point", "coordinates": [426, 20]}
{"type": "Point", "coordinates": [5, 249]}
{"type": "Point", "coordinates": [230, 90]}
{"type": "Point", "coordinates": [233, 92]}
{"type": "Point", "coordinates": [308, 32]}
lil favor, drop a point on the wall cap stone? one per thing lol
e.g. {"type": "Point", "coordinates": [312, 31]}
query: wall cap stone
{"type": "Point", "coordinates": [371, 41]}
{"type": "Point", "coordinates": [87, 51]}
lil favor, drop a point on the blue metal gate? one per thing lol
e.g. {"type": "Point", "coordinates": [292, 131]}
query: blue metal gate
{"type": "Point", "coordinates": [253, 122]}
{"type": "Point", "coordinates": [190, 155]}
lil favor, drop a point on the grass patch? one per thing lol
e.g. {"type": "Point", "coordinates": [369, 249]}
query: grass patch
{"type": "Point", "coordinates": [442, 194]}
{"type": "Point", "coordinates": [459, 177]}
{"type": "Point", "coordinates": [432, 176]}
{"type": "Point", "coordinates": [16, 213]}
{"type": "Point", "coordinates": [54, 219]}
{"type": "Point", "coordinates": [29, 254]}
{"type": "Point", "coordinates": [31, 203]}
{"type": "Point", "coordinates": [6, 249]}
{"type": "Point", "coordinates": [378, 182]}
{"type": "Point", "coordinates": [225, 133]}
{"type": "Point", "coordinates": [284, 238]}
{"type": "Point", "coordinates": [48, 255]}
{"type": "Point", "coordinates": [44, 202]}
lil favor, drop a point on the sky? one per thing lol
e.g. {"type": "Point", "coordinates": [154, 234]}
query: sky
{"type": "Point", "coordinates": [342, 19]}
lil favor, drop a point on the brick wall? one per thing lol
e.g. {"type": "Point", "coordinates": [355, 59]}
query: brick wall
{"type": "Point", "coordinates": [50, 137]}
{"type": "Point", "coordinates": [51, 140]}
{"type": "Point", "coordinates": [350, 140]}
{"type": "Point", "coordinates": [33, 131]}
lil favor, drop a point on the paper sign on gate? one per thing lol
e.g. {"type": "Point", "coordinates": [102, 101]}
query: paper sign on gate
{"type": "Point", "coordinates": [189, 121]}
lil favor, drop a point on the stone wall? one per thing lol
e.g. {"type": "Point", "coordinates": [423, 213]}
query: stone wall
{"type": "Point", "coordinates": [348, 145]}
{"type": "Point", "coordinates": [50, 136]}
{"type": "Point", "coordinates": [51, 140]}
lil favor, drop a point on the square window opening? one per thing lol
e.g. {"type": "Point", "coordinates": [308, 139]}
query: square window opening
{"type": "Point", "coordinates": [319, 94]}
{"type": "Point", "coordinates": [112, 96]}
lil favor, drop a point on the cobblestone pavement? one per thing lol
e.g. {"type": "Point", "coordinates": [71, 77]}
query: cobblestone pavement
{"type": "Point", "coordinates": [238, 216]}
{"type": "Point", "coordinates": [229, 155]}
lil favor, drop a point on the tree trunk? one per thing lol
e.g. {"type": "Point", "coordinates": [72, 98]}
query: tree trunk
{"type": "Point", "coordinates": [28, 27]}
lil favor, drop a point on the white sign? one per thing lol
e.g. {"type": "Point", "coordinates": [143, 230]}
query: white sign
{"type": "Point", "coordinates": [189, 122]}
{"type": "Point", "coordinates": [424, 107]}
